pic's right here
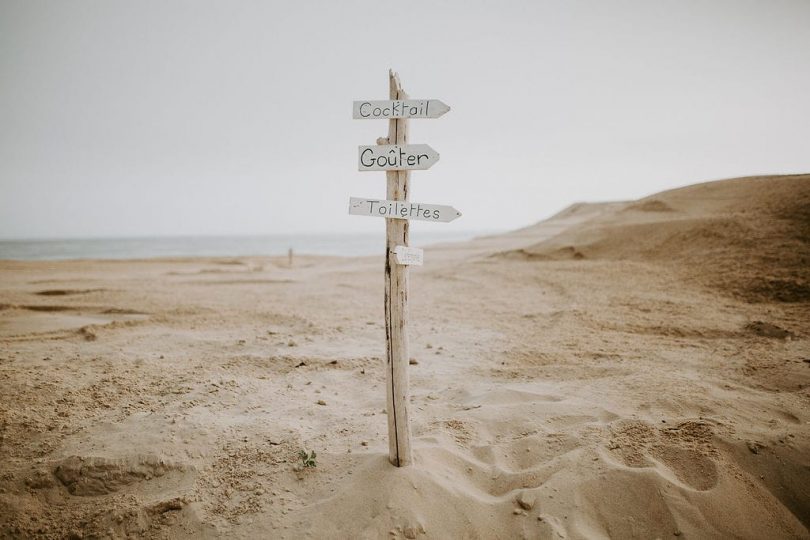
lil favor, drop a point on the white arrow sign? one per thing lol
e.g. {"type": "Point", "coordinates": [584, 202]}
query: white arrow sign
{"type": "Point", "coordinates": [408, 108]}
{"type": "Point", "coordinates": [402, 210]}
{"type": "Point", "coordinates": [392, 157]}
{"type": "Point", "coordinates": [409, 255]}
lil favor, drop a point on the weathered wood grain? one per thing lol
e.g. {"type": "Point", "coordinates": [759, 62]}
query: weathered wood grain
{"type": "Point", "coordinates": [396, 301]}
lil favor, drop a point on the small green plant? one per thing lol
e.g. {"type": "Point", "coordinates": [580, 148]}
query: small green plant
{"type": "Point", "coordinates": [308, 458]}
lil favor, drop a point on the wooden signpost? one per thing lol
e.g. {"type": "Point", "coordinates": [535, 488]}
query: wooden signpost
{"type": "Point", "coordinates": [395, 156]}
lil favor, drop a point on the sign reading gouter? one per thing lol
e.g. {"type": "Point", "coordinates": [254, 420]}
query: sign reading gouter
{"type": "Point", "coordinates": [392, 157]}
{"type": "Point", "coordinates": [407, 108]}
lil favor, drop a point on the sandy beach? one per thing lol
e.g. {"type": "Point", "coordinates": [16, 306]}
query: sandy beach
{"type": "Point", "coordinates": [628, 369]}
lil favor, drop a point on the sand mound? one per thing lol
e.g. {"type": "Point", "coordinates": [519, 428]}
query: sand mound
{"type": "Point", "coordinates": [89, 476]}
{"type": "Point", "coordinates": [83, 496]}
{"type": "Point", "coordinates": [749, 237]}
{"type": "Point", "coordinates": [648, 482]}
{"type": "Point", "coordinates": [65, 292]}
{"type": "Point", "coordinates": [648, 205]}
{"type": "Point", "coordinates": [33, 321]}
{"type": "Point", "coordinates": [768, 330]}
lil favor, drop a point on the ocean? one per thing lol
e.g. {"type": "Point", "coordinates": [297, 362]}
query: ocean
{"type": "Point", "coordinates": [216, 246]}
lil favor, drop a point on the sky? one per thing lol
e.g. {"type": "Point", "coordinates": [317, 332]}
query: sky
{"type": "Point", "coordinates": [143, 118]}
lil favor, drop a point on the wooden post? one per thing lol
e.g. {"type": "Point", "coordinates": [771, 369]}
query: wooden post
{"type": "Point", "coordinates": [396, 299]}
{"type": "Point", "coordinates": [395, 156]}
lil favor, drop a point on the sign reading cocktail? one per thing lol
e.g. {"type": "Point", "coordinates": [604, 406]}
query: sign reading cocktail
{"type": "Point", "coordinates": [399, 108]}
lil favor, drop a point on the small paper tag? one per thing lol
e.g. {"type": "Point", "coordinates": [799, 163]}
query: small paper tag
{"type": "Point", "coordinates": [409, 255]}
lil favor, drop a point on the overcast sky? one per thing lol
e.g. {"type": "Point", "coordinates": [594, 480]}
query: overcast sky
{"type": "Point", "coordinates": [190, 117]}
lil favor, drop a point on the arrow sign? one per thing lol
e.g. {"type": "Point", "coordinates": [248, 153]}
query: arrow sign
{"type": "Point", "coordinates": [408, 108]}
{"type": "Point", "coordinates": [392, 157]}
{"type": "Point", "coordinates": [409, 255]}
{"type": "Point", "coordinates": [402, 210]}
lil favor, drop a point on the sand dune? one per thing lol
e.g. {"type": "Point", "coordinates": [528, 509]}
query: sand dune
{"type": "Point", "coordinates": [749, 236]}
{"type": "Point", "coordinates": [621, 370]}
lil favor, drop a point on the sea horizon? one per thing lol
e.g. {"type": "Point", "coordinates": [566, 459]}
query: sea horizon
{"type": "Point", "coordinates": [260, 245]}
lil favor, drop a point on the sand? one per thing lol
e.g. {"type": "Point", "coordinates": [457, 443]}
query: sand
{"type": "Point", "coordinates": [622, 370]}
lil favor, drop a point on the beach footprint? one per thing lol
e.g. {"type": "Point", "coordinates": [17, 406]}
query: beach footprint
{"type": "Point", "coordinates": [630, 440]}
{"type": "Point", "coordinates": [690, 466]}
{"type": "Point", "coordinates": [685, 450]}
